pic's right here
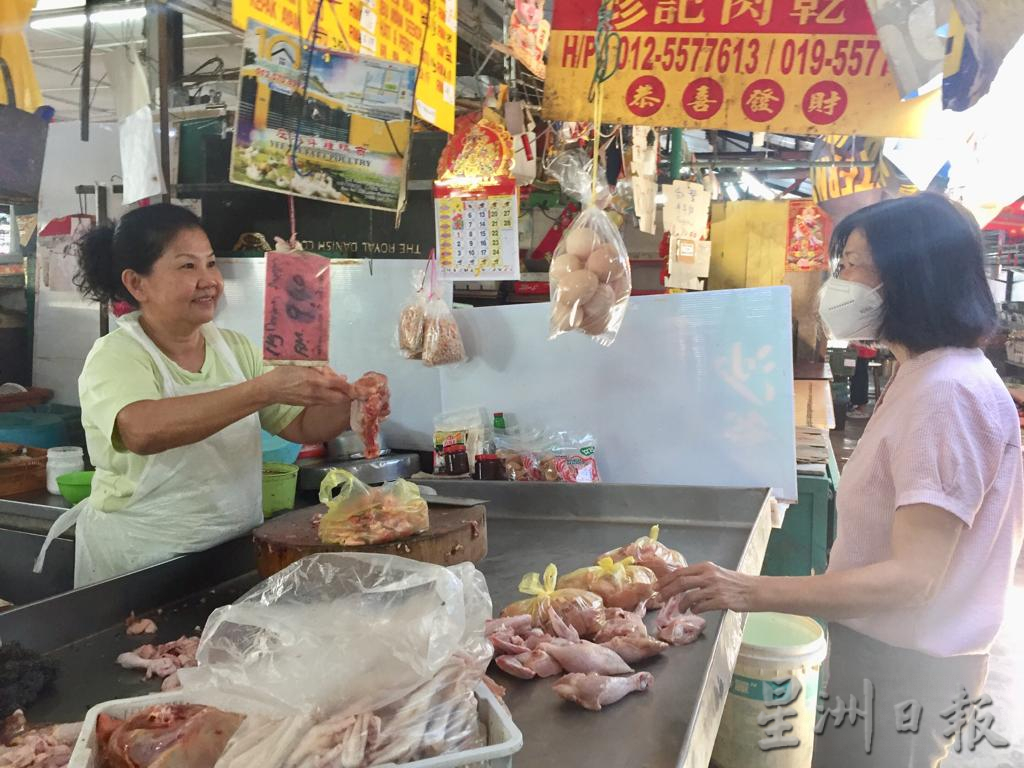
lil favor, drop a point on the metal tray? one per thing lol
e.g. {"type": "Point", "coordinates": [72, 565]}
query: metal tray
{"type": "Point", "coordinates": [18, 584]}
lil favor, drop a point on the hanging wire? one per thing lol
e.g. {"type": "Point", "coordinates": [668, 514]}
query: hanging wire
{"type": "Point", "coordinates": [605, 65]}
{"type": "Point", "coordinates": [314, 32]}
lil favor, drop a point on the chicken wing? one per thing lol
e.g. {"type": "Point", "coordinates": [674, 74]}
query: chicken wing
{"type": "Point", "coordinates": [585, 656]}
{"type": "Point", "coordinates": [595, 691]}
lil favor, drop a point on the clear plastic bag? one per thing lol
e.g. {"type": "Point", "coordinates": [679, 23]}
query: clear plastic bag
{"type": "Point", "coordinates": [358, 514]}
{"type": "Point", "coordinates": [442, 340]}
{"type": "Point", "coordinates": [590, 279]}
{"type": "Point", "coordinates": [558, 457]}
{"type": "Point", "coordinates": [468, 427]}
{"type": "Point", "coordinates": [411, 325]}
{"type": "Point", "coordinates": [650, 553]}
{"type": "Point", "coordinates": [620, 584]}
{"type": "Point", "coordinates": [545, 596]}
{"type": "Point", "coordinates": [349, 659]}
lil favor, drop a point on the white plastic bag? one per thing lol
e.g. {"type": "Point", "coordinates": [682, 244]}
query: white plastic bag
{"type": "Point", "coordinates": [590, 279]}
{"type": "Point", "coordinates": [345, 633]}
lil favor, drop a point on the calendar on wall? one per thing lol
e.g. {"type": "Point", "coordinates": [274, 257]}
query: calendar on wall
{"type": "Point", "coordinates": [477, 234]}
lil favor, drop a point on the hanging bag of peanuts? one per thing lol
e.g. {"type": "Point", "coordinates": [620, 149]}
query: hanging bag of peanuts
{"type": "Point", "coordinates": [590, 279]}
{"type": "Point", "coordinates": [412, 319]}
{"type": "Point", "coordinates": [442, 341]}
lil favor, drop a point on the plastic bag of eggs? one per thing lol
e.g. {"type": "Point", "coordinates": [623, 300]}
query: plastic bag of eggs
{"type": "Point", "coordinates": [590, 278]}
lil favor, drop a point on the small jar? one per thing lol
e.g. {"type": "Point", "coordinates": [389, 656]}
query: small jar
{"type": "Point", "coordinates": [456, 460]}
{"type": "Point", "coordinates": [489, 467]}
{"type": "Point", "coordinates": [61, 461]}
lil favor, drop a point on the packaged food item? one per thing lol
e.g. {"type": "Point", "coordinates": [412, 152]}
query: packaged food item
{"type": "Point", "coordinates": [358, 515]}
{"type": "Point", "coordinates": [545, 595]}
{"type": "Point", "coordinates": [620, 584]}
{"type": "Point", "coordinates": [467, 428]}
{"type": "Point", "coordinates": [297, 309]}
{"type": "Point", "coordinates": [442, 340]}
{"type": "Point", "coordinates": [411, 320]}
{"type": "Point", "coordinates": [650, 553]}
{"type": "Point", "coordinates": [554, 457]}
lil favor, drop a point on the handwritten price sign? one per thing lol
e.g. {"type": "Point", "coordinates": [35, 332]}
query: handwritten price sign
{"type": "Point", "coordinates": [297, 309]}
{"type": "Point", "coordinates": [795, 66]}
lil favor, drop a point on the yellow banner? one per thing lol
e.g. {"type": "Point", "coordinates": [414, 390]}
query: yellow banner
{"type": "Point", "coordinates": [786, 66]}
{"type": "Point", "coordinates": [391, 29]}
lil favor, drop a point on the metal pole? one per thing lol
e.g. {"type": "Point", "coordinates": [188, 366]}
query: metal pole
{"type": "Point", "coordinates": [85, 88]}
{"type": "Point", "coordinates": [102, 218]}
{"type": "Point", "coordinates": [676, 156]}
{"type": "Point", "coordinates": [158, 21]}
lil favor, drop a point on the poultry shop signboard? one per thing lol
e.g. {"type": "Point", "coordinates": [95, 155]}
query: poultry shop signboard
{"type": "Point", "coordinates": [335, 129]}
{"type": "Point", "coordinates": [793, 66]}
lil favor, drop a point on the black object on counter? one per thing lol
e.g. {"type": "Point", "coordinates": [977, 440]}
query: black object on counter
{"type": "Point", "coordinates": [24, 675]}
{"type": "Point", "coordinates": [489, 467]}
{"type": "Point", "coordinates": [456, 460]}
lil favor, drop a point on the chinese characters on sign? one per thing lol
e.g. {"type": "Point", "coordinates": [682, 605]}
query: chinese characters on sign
{"type": "Point", "coordinates": [354, 130]}
{"type": "Point", "coordinates": [477, 235]}
{"type": "Point", "coordinates": [389, 29]}
{"type": "Point", "coordinates": [297, 309]}
{"type": "Point", "coordinates": [797, 66]}
{"type": "Point", "coordinates": [686, 211]}
{"type": "Point", "coordinates": [965, 722]}
{"type": "Point", "coordinates": [807, 237]}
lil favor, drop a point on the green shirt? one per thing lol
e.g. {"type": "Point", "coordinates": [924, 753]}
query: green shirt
{"type": "Point", "coordinates": [119, 372]}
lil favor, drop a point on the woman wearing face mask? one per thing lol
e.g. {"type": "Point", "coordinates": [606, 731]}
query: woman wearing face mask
{"type": "Point", "coordinates": [931, 504]}
{"type": "Point", "coordinates": [172, 405]}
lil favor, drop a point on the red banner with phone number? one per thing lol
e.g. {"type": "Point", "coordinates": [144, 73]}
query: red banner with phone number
{"type": "Point", "coordinates": [791, 66]}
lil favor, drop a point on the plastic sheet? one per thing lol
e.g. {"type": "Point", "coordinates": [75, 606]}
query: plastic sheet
{"type": "Point", "coordinates": [359, 514]}
{"type": "Point", "coordinates": [620, 584]}
{"type": "Point", "coordinates": [544, 596]}
{"type": "Point", "coordinates": [590, 278]}
{"type": "Point", "coordinates": [346, 634]}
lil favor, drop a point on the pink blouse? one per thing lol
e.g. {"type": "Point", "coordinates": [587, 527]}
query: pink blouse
{"type": "Point", "coordinates": [945, 433]}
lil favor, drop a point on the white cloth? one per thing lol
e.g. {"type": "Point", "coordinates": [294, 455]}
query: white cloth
{"type": "Point", "coordinates": [188, 499]}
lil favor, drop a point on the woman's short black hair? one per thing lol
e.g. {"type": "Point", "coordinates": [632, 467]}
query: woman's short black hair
{"type": "Point", "coordinates": [135, 242]}
{"type": "Point", "coordinates": [928, 252]}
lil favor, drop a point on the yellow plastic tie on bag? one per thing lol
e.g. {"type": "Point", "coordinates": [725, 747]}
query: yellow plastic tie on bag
{"type": "Point", "coordinates": [615, 569]}
{"type": "Point", "coordinates": [655, 530]}
{"type": "Point", "coordinates": [335, 478]}
{"type": "Point", "coordinates": [531, 584]}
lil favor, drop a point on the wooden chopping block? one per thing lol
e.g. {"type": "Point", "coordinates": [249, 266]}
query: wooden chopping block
{"type": "Point", "coordinates": [456, 535]}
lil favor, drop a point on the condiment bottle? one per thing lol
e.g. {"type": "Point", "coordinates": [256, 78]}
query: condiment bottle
{"type": "Point", "coordinates": [456, 460]}
{"type": "Point", "coordinates": [489, 467]}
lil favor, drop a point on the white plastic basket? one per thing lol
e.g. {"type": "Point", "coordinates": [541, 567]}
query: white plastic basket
{"type": "Point", "coordinates": [504, 739]}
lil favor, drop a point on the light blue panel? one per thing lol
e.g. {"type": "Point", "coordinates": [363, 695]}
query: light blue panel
{"type": "Point", "coordinates": [696, 390]}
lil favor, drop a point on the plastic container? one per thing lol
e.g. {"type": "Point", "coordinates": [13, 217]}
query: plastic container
{"type": "Point", "coordinates": [489, 467]}
{"type": "Point", "coordinates": [456, 460]}
{"type": "Point", "coordinates": [278, 450]}
{"type": "Point", "coordinates": [775, 645]}
{"type": "Point", "coordinates": [279, 482]}
{"type": "Point", "coordinates": [62, 460]}
{"type": "Point", "coordinates": [504, 739]}
{"type": "Point", "coordinates": [38, 430]}
{"type": "Point", "coordinates": [22, 469]}
{"type": "Point", "coordinates": [75, 486]}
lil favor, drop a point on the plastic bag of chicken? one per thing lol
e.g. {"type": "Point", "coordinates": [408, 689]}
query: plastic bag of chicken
{"type": "Point", "coordinates": [620, 584]}
{"type": "Point", "coordinates": [545, 595]}
{"type": "Point", "coordinates": [650, 553]}
{"type": "Point", "coordinates": [590, 279]}
{"type": "Point", "coordinates": [358, 515]}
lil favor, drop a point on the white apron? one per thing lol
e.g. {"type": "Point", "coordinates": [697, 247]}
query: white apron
{"type": "Point", "coordinates": [188, 499]}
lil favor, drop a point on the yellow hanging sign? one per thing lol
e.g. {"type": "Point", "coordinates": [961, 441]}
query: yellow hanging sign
{"type": "Point", "coordinates": [791, 66]}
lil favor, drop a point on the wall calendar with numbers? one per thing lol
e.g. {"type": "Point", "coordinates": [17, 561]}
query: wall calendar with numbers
{"type": "Point", "coordinates": [477, 234]}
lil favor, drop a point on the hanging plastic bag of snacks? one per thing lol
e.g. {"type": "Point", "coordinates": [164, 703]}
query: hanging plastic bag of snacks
{"type": "Point", "coordinates": [412, 318]}
{"type": "Point", "coordinates": [442, 340]}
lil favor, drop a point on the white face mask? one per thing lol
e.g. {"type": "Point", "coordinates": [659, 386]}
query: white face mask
{"type": "Point", "coordinates": [850, 311]}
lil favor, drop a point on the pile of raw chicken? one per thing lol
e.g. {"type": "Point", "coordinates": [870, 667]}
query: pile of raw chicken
{"type": "Point", "coordinates": [590, 624]}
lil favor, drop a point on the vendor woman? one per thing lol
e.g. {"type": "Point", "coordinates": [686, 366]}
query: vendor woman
{"type": "Point", "coordinates": [931, 504]}
{"type": "Point", "coordinates": [172, 405]}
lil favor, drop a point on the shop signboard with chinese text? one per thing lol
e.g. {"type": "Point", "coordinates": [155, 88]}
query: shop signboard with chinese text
{"type": "Point", "coordinates": [340, 135]}
{"type": "Point", "coordinates": [390, 29]}
{"type": "Point", "coordinates": [793, 66]}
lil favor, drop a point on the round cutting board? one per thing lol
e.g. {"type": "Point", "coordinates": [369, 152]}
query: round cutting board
{"type": "Point", "coordinates": [457, 534]}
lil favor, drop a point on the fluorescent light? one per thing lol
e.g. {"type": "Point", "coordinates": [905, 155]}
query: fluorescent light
{"type": "Point", "coordinates": [755, 186]}
{"type": "Point", "coordinates": [732, 192]}
{"type": "Point", "coordinates": [57, 5]}
{"type": "Point", "coordinates": [72, 20]}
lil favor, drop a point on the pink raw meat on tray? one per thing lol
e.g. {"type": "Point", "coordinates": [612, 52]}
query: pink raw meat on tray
{"type": "Point", "coordinates": [297, 309]}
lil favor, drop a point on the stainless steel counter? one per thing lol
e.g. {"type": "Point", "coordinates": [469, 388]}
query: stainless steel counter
{"type": "Point", "coordinates": [32, 512]}
{"type": "Point", "coordinates": [673, 725]}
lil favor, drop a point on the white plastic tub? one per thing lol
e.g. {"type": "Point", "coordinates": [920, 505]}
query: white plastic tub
{"type": "Point", "coordinates": [504, 739]}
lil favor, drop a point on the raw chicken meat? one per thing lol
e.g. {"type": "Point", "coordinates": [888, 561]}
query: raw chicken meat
{"type": "Point", "coordinates": [620, 623]}
{"type": "Point", "coordinates": [139, 626]}
{"type": "Point", "coordinates": [519, 625]}
{"type": "Point", "coordinates": [650, 553]}
{"type": "Point", "coordinates": [529, 665]}
{"type": "Point", "coordinates": [619, 583]}
{"type": "Point", "coordinates": [493, 687]}
{"type": "Point", "coordinates": [536, 637]}
{"type": "Point", "coordinates": [507, 643]}
{"type": "Point", "coordinates": [593, 691]}
{"type": "Point", "coordinates": [166, 736]}
{"type": "Point", "coordinates": [561, 629]}
{"type": "Point", "coordinates": [678, 628]}
{"type": "Point", "coordinates": [47, 747]}
{"type": "Point", "coordinates": [162, 660]}
{"type": "Point", "coordinates": [634, 648]}
{"type": "Point", "coordinates": [585, 656]}
{"type": "Point", "coordinates": [371, 404]}
{"type": "Point", "coordinates": [585, 619]}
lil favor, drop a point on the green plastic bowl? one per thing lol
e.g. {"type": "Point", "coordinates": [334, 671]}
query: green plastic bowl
{"type": "Point", "coordinates": [75, 486]}
{"type": "Point", "coordinates": [279, 482]}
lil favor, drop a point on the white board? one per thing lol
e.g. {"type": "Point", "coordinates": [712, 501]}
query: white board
{"type": "Point", "coordinates": [696, 390]}
{"type": "Point", "coordinates": [364, 319]}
